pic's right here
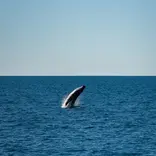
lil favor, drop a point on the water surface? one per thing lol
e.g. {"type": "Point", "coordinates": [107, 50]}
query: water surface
{"type": "Point", "coordinates": [116, 116]}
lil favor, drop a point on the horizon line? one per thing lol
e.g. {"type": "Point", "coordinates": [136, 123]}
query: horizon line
{"type": "Point", "coordinates": [74, 75]}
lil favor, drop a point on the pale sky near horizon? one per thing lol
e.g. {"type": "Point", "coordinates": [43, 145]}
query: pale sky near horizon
{"type": "Point", "coordinates": [78, 37]}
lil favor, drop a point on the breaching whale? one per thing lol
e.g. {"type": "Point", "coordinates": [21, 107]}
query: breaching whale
{"type": "Point", "coordinates": [71, 98]}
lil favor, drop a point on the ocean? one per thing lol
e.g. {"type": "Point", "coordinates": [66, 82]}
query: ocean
{"type": "Point", "coordinates": [116, 116]}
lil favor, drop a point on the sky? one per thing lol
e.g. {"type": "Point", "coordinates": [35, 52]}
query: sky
{"type": "Point", "coordinates": [77, 37]}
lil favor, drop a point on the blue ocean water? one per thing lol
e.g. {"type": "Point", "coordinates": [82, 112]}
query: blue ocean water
{"type": "Point", "coordinates": [116, 116]}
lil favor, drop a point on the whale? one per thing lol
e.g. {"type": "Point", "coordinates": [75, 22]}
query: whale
{"type": "Point", "coordinates": [71, 98]}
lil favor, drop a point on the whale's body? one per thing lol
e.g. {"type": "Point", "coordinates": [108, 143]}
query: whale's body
{"type": "Point", "coordinates": [71, 98]}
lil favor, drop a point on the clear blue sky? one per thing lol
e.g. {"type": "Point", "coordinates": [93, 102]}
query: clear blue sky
{"type": "Point", "coordinates": [78, 37]}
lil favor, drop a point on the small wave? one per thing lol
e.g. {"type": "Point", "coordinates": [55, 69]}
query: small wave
{"type": "Point", "coordinates": [89, 127]}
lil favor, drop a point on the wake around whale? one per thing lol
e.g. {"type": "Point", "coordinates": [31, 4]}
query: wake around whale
{"type": "Point", "coordinates": [71, 98]}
